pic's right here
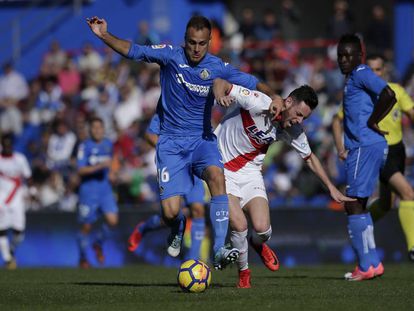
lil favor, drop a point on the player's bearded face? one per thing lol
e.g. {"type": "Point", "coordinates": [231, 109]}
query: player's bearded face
{"type": "Point", "coordinates": [349, 56]}
{"type": "Point", "coordinates": [196, 44]}
{"type": "Point", "coordinates": [295, 113]}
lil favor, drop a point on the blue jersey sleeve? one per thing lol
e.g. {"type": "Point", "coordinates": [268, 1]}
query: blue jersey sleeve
{"type": "Point", "coordinates": [368, 80]}
{"type": "Point", "coordinates": [82, 156]}
{"type": "Point", "coordinates": [238, 77]}
{"type": "Point", "coordinates": [159, 54]}
{"type": "Point", "coordinates": [154, 127]}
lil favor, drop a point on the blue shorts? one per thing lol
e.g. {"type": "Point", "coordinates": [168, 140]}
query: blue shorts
{"type": "Point", "coordinates": [363, 166]}
{"type": "Point", "coordinates": [179, 158]}
{"type": "Point", "coordinates": [196, 194]}
{"type": "Point", "coordinates": [93, 205]}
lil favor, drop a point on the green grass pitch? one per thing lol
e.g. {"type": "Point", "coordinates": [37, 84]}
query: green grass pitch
{"type": "Point", "coordinates": [143, 287]}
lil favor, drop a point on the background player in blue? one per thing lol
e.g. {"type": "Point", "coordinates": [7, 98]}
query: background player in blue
{"type": "Point", "coordinates": [367, 100]}
{"type": "Point", "coordinates": [193, 199]}
{"type": "Point", "coordinates": [95, 191]}
{"type": "Point", "coordinates": [187, 145]}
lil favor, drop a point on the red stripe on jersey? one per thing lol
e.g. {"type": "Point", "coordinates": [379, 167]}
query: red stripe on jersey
{"type": "Point", "coordinates": [241, 160]}
{"type": "Point", "coordinates": [248, 122]}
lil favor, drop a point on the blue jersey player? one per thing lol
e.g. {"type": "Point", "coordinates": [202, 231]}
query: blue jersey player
{"type": "Point", "coordinates": [187, 146]}
{"type": "Point", "coordinates": [95, 191]}
{"type": "Point", "coordinates": [193, 199]}
{"type": "Point", "coordinates": [367, 100]}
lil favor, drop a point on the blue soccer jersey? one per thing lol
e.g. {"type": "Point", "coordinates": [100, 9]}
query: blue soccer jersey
{"type": "Point", "coordinates": [186, 96]}
{"type": "Point", "coordinates": [95, 191]}
{"type": "Point", "coordinates": [361, 93]}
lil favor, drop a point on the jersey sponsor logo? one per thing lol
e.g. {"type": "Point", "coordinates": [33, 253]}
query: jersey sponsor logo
{"type": "Point", "coordinates": [258, 135]}
{"type": "Point", "coordinates": [183, 66]}
{"type": "Point", "coordinates": [95, 159]}
{"type": "Point", "coordinates": [205, 74]}
{"type": "Point", "coordinates": [360, 68]}
{"type": "Point", "coordinates": [202, 90]}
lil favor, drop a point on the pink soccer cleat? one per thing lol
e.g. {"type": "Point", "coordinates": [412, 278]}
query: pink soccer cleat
{"type": "Point", "coordinates": [359, 275]}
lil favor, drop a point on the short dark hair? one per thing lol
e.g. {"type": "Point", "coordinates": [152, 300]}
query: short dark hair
{"type": "Point", "coordinates": [95, 119]}
{"type": "Point", "coordinates": [351, 39]}
{"type": "Point", "coordinates": [307, 94]}
{"type": "Point", "coordinates": [7, 137]}
{"type": "Point", "coordinates": [198, 22]}
{"type": "Point", "coordinates": [374, 56]}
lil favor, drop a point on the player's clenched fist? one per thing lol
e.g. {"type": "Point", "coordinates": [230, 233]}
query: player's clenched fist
{"type": "Point", "coordinates": [98, 26]}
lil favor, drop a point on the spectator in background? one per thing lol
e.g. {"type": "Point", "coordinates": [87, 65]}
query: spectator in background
{"type": "Point", "coordinates": [289, 20]}
{"type": "Point", "coordinates": [145, 35]}
{"type": "Point", "coordinates": [378, 32]}
{"type": "Point", "coordinates": [341, 21]}
{"type": "Point", "coordinates": [269, 29]}
{"type": "Point", "coordinates": [130, 107]}
{"type": "Point", "coordinates": [55, 57]}
{"type": "Point", "coordinates": [13, 85]}
{"type": "Point", "coordinates": [248, 24]}
{"type": "Point", "coordinates": [90, 60]}
{"type": "Point", "coordinates": [69, 78]}
{"type": "Point", "coordinates": [49, 101]}
{"type": "Point", "coordinates": [60, 147]}
{"type": "Point", "coordinates": [103, 107]}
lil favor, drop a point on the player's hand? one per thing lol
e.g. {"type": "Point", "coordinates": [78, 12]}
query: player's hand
{"type": "Point", "coordinates": [342, 155]}
{"type": "Point", "coordinates": [225, 101]}
{"type": "Point", "coordinates": [106, 164]}
{"type": "Point", "coordinates": [338, 197]}
{"type": "Point", "coordinates": [375, 128]}
{"type": "Point", "coordinates": [276, 106]}
{"type": "Point", "coordinates": [98, 26]}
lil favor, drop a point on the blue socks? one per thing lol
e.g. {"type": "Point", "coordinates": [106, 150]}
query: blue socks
{"type": "Point", "coordinates": [152, 223]}
{"type": "Point", "coordinates": [83, 243]}
{"type": "Point", "coordinates": [361, 233]}
{"type": "Point", "coordinates": [197, 236]}
{"type": "Point", "coordinates": [219, 215]}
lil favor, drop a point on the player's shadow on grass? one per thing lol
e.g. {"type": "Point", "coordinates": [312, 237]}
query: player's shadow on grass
{"type": "Point", "coordinates": [125, 284]}
{"type": "Point", "coordinates": [292, 277]}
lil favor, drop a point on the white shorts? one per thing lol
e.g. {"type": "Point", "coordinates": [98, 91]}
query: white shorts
{"type": "Point", "coordinates": [12, 216]}
{"type": "Point", "coordinates": [246, 186]}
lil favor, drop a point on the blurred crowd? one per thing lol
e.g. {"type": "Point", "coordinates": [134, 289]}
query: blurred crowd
{"type": "Point", "coordinates": [48, 115]}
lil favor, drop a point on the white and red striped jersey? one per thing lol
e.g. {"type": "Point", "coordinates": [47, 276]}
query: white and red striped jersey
{"type": "Point", "coordinates": [13, 170]}
{"type": "Point", "coordinates": [245, 135]}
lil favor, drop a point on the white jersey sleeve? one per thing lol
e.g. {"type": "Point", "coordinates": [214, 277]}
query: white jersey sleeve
{"type": "Point", "coordinates": [25, 167]}
{"type": "Point", "coordinates": [250, 100]}
{"type": "Point", "coordinates": [296, 137]}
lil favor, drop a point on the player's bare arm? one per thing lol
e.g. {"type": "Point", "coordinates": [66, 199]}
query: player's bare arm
{"type": "Point", "coordinates": [384, 105]}
{"type": "Point", "coordinates": [100, 28]}
{"type": "Point", "coordinates": [221, 89]}
{"type": "Point", "coordinates": [337, 132]}
{"type": "Point", "coordinates": [90, 169]}
{"type": "Point", "coordinates": [277, 101]}
{"type": "Point", "coordinates": [315, 165]}
{"type": "Point", "coordinates": [151, 139]}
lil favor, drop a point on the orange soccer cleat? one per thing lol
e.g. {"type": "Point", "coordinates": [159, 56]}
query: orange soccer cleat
{"type": "Point", "coordinates": [135, 238]}
{"type": "Point", "coordinates": [244, 279]}
{"type": "Point", "coordinates": [379, 270]}
{"type": "Point", "coordinates": [359, 275]}
{"type": "Point", "coordinates": [268, 256]}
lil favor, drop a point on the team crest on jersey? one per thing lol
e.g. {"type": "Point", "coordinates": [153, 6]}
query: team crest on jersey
{"type": "Point", "coordinates": [158, 46]}
{"type": "Point", "coordinates": [244, 92]}
{"type": "Point", "coordinates": [205, 74]}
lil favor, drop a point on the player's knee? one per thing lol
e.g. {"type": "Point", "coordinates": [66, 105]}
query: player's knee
{"type": "Point", "coordinates": [86, 228]}
{"type": "Point", "coordinates": [215, 179]}
{"type": "Point", "coordinates": [239, 240]}
{"type": "Point", "coordinates": [263, 236]}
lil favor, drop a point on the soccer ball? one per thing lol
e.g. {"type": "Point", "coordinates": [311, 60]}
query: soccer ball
{"type": "Point", "coordinates": [194, 276]}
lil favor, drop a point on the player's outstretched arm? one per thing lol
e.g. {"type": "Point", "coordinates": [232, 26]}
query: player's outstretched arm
{"type": "Point", "coordinates": [384, 105]}
{"type": "Point", "coordinates": [91, 169]}
{"type": "Point", "coordinates": [315, 165]}
{"type": "Point", "coordinates": [221, 89]}
{"type": "Point", "coordinates": [100, 28]}
{"type": "Point", "coordinates": [337, 132]}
